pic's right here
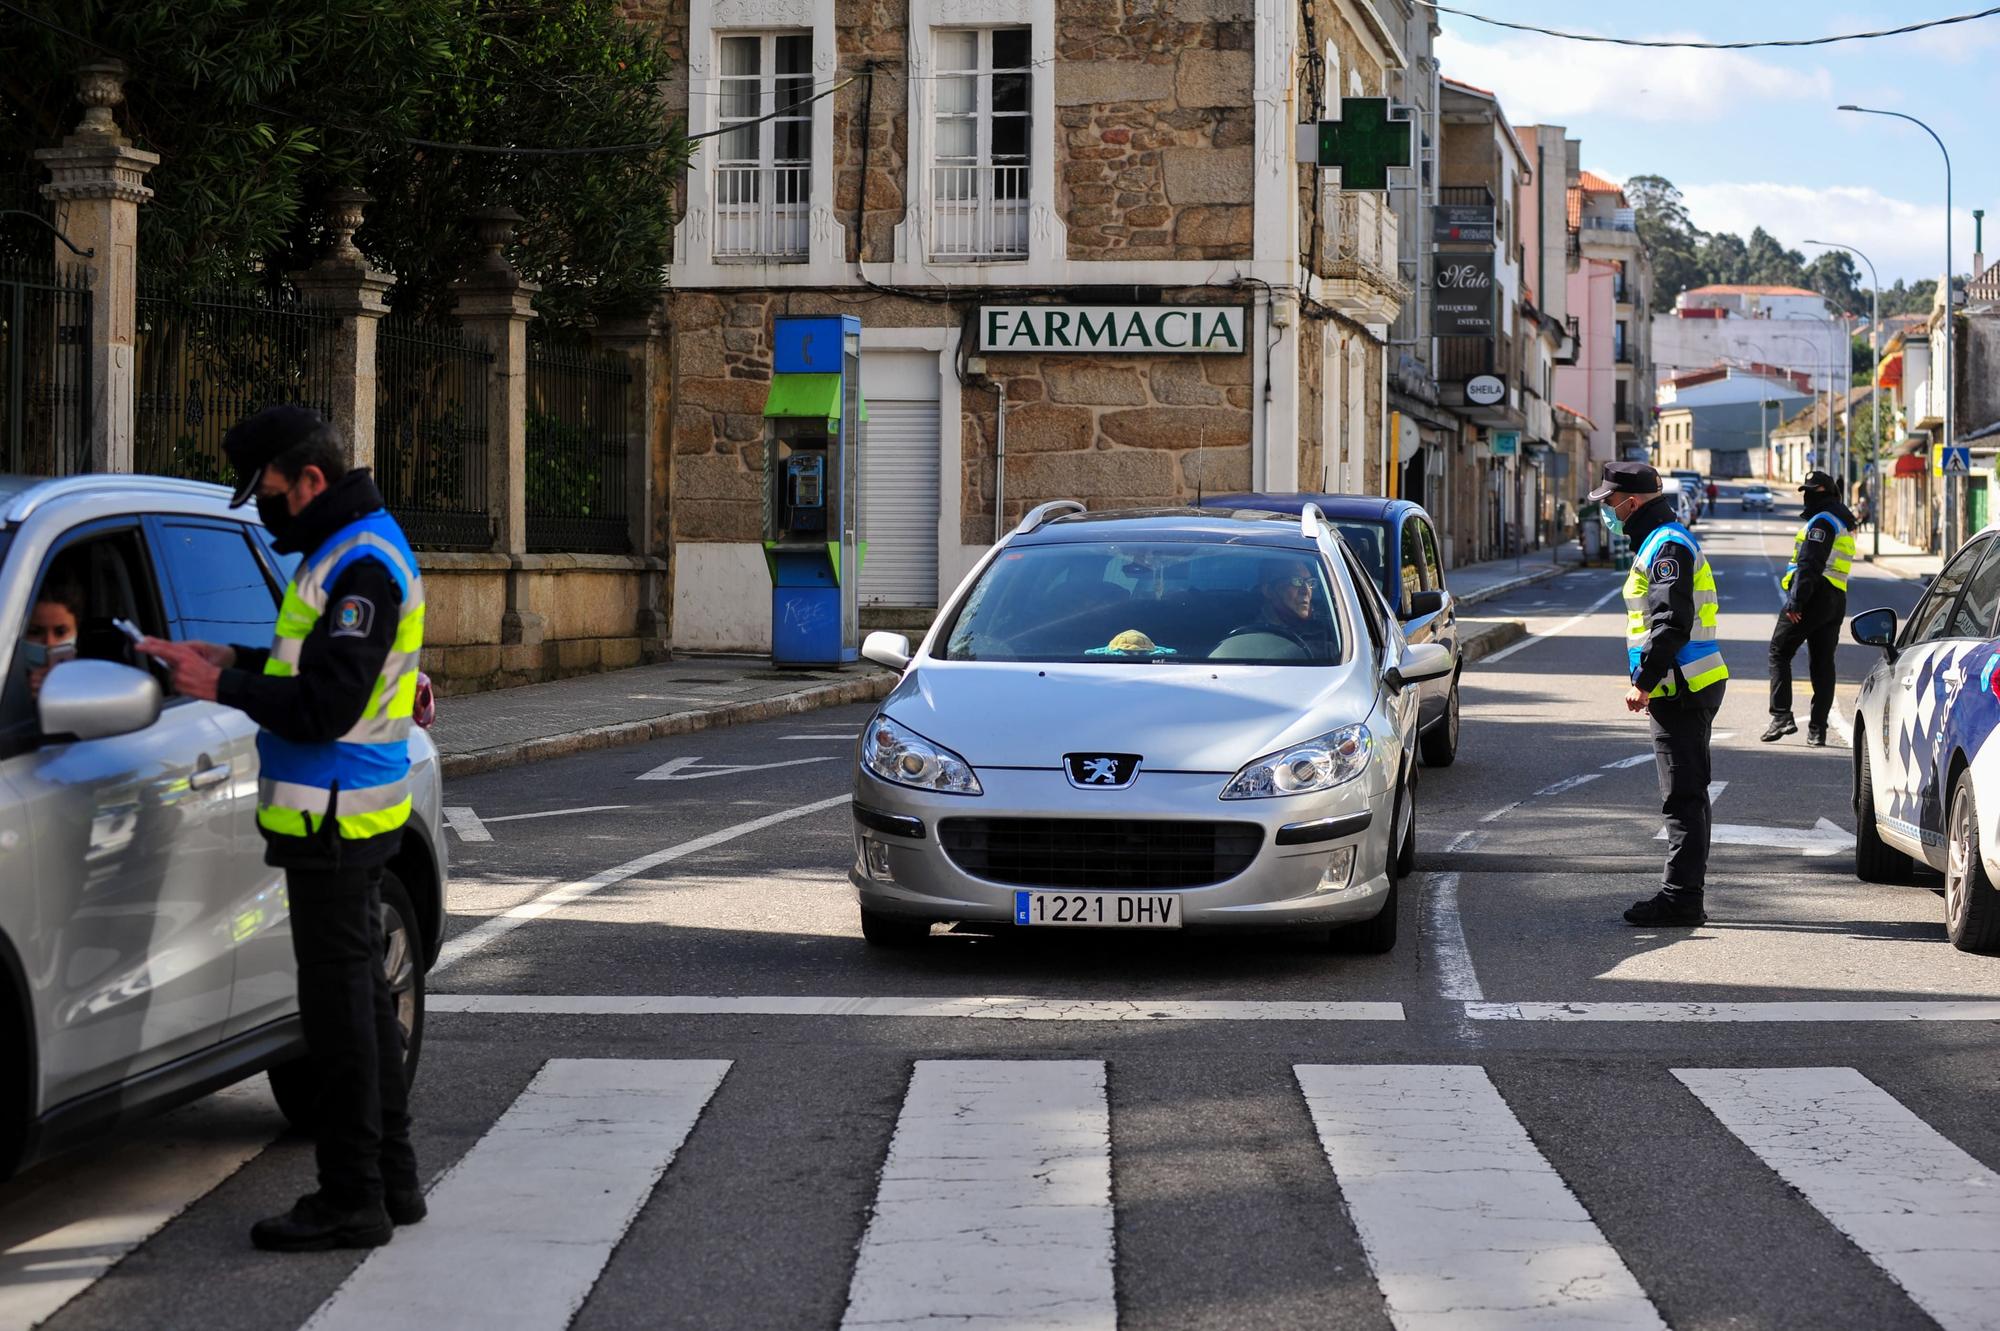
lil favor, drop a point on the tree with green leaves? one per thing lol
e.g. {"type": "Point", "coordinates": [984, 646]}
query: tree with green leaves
{"type": "Point", "coordinates": [1671, 240]}
{"type": "Point", "coordinates": [258, 109]}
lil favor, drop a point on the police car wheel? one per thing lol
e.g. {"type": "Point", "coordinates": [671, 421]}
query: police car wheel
{"type": "Point", "coordinates": [1439, 744]}
{"type": "Point", "coordinates": [882, 930]}
{"type": "Point", "coordinates": [296, 1085]}
{"type": "Point", "coordinates": [1971, 905]}
{"type": "Point", "coordinates": [1875, 860]}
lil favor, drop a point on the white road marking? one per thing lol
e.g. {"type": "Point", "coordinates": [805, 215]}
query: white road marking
{"type": "Point", "coordinates": [496, 927]}
{"type": "Point", "coordinates": [557, 813]}
{"type": "Point", "coordinates": [1923, 1210]}
{"type": "Point", "coordinates": [1633, 761]}
{"type": "Point", "coordinates": [995, 1202]}
{"type": "Point", "coordinates": [1563, 627]}
{"type": "Point", "coordinates": [1823, 839]}
{"type": "Point", "coordinates": [462, 820]}
{"type": "Point", "coordinates": [1465, 1223]}
{"type": "Point", "coordinates": [1568, 783]}
{"type": "Point", "coordinates": [682, 769]}
{"type": "Point", "coordinates": [521, 1228]}
{"type": "Point", "coordinates": [1841, 727]}
{"type": "Point", "coordinates": [1457, 980]}
{"type": "Point", "coordinates": [1715, 789]}
{"type": "Point", "coordinates": [1004, 1007]}
{"type": "Point", "coordinates": [89, 1211]}
{"type": "Point", "coordinates": [1828, 1010]}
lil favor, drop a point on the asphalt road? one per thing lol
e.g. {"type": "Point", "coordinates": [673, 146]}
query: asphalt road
{"type": "Point", "coordinates": [660, 1099]}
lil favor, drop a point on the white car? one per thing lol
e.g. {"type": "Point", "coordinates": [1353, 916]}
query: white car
{"type": "Point", "coordinates": [1758, 498]}
{"type": "Point", "coordinates": [1926, 767]}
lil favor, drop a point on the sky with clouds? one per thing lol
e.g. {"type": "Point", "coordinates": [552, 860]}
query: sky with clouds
{"type": "Point", "coordinates": [1752, 138]}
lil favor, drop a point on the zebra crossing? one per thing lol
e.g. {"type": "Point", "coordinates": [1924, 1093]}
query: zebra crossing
{"type": "Point", "coordinates": [995, 1203]}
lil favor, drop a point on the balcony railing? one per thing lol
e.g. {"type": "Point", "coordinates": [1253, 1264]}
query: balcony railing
{"type": "Point", "coordinates": [979, 212]}
{"type": "Point", "coordinates": [762, 212]}
{"type": "Point", "coordinates": [1622, 220]}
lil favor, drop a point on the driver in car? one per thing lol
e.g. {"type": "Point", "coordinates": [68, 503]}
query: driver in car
{"type": "Point", "coordinates": [1288, 609]}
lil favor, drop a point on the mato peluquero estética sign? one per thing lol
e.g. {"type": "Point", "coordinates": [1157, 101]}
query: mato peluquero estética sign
{"type": "Point", "coordinates": [1122, 329]}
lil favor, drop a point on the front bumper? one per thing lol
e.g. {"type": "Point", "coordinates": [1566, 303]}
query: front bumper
{"type": "Point", "coordinates": [1281, 887]}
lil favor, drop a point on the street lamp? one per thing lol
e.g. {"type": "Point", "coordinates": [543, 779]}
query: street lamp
{"type": "Point", "coordinates": [1874, 389]}
{"type": "Point", "coordinates": [1819, 370]}
{"type": "Point", "coordinates": [1950, 423]}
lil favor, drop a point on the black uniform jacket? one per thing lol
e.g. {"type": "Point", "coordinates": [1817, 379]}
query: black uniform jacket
{"type": "Point", "coordinates": [1669, 611]}
{"type": "Point", "coordinates": [338, 667]}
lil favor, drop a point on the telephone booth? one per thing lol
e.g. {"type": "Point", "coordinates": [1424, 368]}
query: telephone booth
{"type": "Point", "coordinates": [813, 542]}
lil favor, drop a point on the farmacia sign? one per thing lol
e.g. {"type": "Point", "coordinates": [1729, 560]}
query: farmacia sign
{"type": "Point", "coordinates": [1126, 329]}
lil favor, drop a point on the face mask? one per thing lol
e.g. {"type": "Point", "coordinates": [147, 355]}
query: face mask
{"type": "Point", "coordinates": [1613, 521]}
{"type": "Point", "coordinates": [276, 515]}
{"type": "Point", "coordinates": [34, 655]}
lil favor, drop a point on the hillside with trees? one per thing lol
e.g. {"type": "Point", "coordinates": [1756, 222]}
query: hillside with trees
{"type": "Point", "coordinates": [1684, 256]}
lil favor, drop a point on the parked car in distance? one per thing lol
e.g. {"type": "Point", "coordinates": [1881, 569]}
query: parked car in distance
{"type": "Point", "coordinates": [1153, 719]}
{"type": "Point", "coordinates": [1687, 503]}
{"type": "Point", "coordinates": [1926, 767]}
{"type": "Point", "coordinates": [1397, 543]}
{"type": "Point", "coordinates": [1695, 486]}
{"type": "Point", "coordinates": [145, 946]}
{"type": "Point", "coordinates": [1758, 499]}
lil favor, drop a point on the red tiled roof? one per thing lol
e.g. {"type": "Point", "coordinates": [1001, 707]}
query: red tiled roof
{"type": "Point", "coordinates": [1750, 289]}
{"type": "Point", "coordinates": [1597, 184]}
{"type": "Point", "coordinates": [1467, 87]}
{"type": "Point", "coordinates": [1575, 207]}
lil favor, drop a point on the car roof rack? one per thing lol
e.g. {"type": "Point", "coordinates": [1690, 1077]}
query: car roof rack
{"type": "Point", "coordinates": [1309, 519]}
{"type": "Point", "coordinates": [1042, 513]}
{"type": "Point", "coordinates": [26, 503]}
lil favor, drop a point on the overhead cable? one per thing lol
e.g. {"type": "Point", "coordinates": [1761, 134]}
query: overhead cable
{"type": "Point", "coordinates": [1664, 44]}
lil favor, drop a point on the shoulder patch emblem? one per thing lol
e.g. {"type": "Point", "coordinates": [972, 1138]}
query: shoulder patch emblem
{"type": "Point", "coordinates": [1666, 569]}
{"type": "Point", "coordinates": [353, 616]}
{"type": "Point", "coordinates": [1816, 532]}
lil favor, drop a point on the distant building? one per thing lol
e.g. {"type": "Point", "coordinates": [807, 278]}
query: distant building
{"type": "Point", "coordinates": [1771, 325]}
{"type": "Point", "coordinates": [1798, 444]}
{"type": "Point", "coordinates": [1715, 420]}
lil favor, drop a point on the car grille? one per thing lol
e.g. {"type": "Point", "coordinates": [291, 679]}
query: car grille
{"type": "Point", "coordinates": [1099, 852]}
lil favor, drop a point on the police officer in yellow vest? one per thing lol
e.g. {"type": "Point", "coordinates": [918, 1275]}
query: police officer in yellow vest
{"type": "Point", "coordinates": [1815, 607]}
{"type": "Point", "coordinates": [333, 695]}
{"type": "Point", "coordinates": [1677, 677]}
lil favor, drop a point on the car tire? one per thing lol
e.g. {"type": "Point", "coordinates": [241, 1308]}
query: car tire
{"type": "Point", "coordinates": [1971, 904]}
{"type": "Point", "coordinates": [1372, 937]}
{"type": "Point", "coordinates": [1875, 860]}
{"type": "Point", "coordinates": [1439, 744]}
{"type": "Point", "coordinates": [882, 930]}
{"type": "Point", "coordinates": [1406, 849]}
{"type": "Point", "coordinates": [296, 1085]}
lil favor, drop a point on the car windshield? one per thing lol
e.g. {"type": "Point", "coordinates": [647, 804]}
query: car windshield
{"type": "Point", "coordinates": [1370, 543]}
{"type": "Point", "coordinates": [1147, 603]}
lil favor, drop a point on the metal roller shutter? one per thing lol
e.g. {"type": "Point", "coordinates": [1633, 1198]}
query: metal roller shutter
{"type": "Point", "coordinates": [900, 490]}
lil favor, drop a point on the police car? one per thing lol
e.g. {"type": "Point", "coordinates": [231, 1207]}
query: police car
{"type": "Point", "coordinates": [1926, 767]}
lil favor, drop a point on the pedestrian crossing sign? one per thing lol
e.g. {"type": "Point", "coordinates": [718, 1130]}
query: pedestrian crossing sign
{"type": "Point", "coordinates": [1955, 461]}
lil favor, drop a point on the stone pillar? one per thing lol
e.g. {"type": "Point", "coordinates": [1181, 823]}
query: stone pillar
{"type": "Point", "coordinates": [97, 182]}
{"type": "Point", "coordinates": [344, 283]}
{"type": "Point", "coordinates": [494, 305]}
{"type": "Point", "coordinates": [641, 340]}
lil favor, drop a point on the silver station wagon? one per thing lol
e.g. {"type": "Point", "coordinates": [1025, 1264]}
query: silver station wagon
{"type": "Point", "coordinates": [1147, 720]}
{"type": "Point", "coordinates": [145, 947]}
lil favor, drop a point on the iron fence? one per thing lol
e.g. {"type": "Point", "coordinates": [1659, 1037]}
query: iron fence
{"type": "Point", "coordinates": [202, 361]}
{"type": "Point", "coordinates": [577, 484]}
{"type": "Point", "coordinates": [44, 369]}
{"type": "Point", "coordinates": [431, 434]}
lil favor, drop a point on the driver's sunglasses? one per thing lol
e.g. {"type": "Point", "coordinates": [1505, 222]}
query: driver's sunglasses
{"type": "Point", "coordinates": [1297, 584]}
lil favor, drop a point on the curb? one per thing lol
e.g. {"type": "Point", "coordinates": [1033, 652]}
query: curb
{"type": "Point", "coordinates": [869, 688]}
{"type": "Point", "coordinates": [1510, 585]}
{"type": "Point", "coordinates": [1490, 637]}
{"type": "Point", "coordinates": [1907, 575]}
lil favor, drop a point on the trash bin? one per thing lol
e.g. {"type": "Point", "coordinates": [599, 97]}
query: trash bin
{"type": "Point", "coordinates": [1592, 535]}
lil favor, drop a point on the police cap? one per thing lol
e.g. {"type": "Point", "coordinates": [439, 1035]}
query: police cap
{"type": "Point", "coordinates": [1818, 481]}
{"type": "Point", "coordinates": [255, 441]}
{"type": "Point", "coordinates": [1626, 478]}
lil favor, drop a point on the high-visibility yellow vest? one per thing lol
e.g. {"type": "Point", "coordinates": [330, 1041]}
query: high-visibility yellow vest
{"type": "Point", "coordinates": [1839, 560]}
{"type": "Point", "coordinates": [1698, 663]}
{"type": "Point", "coordinates": [362, 778]}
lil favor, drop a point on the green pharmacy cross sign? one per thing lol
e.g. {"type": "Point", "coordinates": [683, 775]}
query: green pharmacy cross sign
{"type": "Point", "coordinates": [1370, 137]}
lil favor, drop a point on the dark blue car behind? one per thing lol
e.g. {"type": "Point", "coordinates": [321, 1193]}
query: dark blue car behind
{"type": "Point", "coordinates": [1396, 542]}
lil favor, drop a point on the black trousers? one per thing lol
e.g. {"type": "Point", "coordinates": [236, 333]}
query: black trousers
{"type": "Point", "coordinates": [1681, 728]}
{"type": "Point", "coordinates": [352, 1036]}
{"type": "Point", "coordinates": [1819, 633]}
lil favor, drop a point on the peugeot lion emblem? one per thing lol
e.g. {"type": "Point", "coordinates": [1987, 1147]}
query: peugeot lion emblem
{"type": "Point", "coordinates": [1101, 771]}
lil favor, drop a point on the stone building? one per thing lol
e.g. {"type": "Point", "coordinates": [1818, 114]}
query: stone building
{"type": "Point", "coordinates": [1083, 217]}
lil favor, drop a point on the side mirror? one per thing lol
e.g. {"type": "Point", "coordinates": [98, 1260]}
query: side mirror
{"type": "Point", "coordinates": [1424, 603]}
{"type": "Point", "coordinates": [1876, 628]}
{"type": "Point", "coordinates": [96, 700]}
{"type": "Point", "coordinates": [889, 649]}
{"type": "Point", "coordinates": [1428, 660]}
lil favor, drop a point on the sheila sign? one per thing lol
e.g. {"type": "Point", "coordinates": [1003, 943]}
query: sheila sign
{"type": "Point", "coordinates": [1125, 329]}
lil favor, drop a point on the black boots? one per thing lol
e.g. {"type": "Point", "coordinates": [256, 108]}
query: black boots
{"type": "Point", "coordinates": [1781, 726]}
{"type": "Point", "coordinates": [315, 1225]}
{"type": "Point", "coordinates": [1664, 910]}
{"type": "Point", "coordinates": [1816, 737]}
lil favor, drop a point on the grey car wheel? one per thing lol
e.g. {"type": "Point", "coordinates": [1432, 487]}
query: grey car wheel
{"type": "Point", "coordinates": [1439, 744]}
{"type": "Point", "coordinates": [296, 1085]}
{"type": "Point", "coordinates": [1971, 905]}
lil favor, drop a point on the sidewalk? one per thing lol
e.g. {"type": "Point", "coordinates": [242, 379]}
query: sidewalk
{"type": "Point", "coordinates": [478, 732]}
{"type": "Point", "coordinates": [1898, 560]}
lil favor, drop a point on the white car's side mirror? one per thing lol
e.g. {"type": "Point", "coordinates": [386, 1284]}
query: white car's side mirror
{"type": "Point", "coordinates": [1426, 660]}
{"type": "Point", "coordinates": [96, 700]}
{"type": "Point", "coordinates": [889, 649]}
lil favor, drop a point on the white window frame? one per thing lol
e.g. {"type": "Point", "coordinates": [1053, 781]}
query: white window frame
{"type": "Point", "coordinates": [975, 219]}
{"type": "Point", "coordinates": [695, 264]}
{"type": "Point", "coordinates": [1048, 238]}
{"type": "Point", "coordinates": [777, 230]}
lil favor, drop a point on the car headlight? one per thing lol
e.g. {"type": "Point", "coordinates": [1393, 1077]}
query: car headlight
{"type": "Point", "coordinates": [1317, 764]}
{"type": "Point", "coordinates": [900, 755]}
